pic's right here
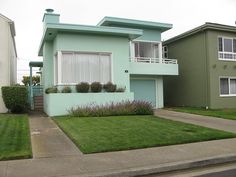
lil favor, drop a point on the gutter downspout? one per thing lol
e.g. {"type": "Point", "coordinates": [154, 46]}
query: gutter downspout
{"type": "Point", "coordinates": [207, 71]}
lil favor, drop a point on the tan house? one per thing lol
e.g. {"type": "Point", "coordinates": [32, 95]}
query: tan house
{"type": "Point", "coordinates": [8, 55]}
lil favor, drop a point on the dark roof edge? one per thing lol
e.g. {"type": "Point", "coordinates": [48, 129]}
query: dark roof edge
{"type": "Point", "coordinates": [206, 26]}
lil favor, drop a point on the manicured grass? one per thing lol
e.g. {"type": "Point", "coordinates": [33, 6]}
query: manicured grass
{"type": "Point", "coordinates": [221, 113]}
{"type": "Point", "coordinates": [101, 134]}
{"type": "Point", "coordinates": [14, 137]}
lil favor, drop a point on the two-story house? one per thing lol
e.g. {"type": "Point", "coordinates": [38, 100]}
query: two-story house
{"type": "Point", "coordinates": [8, 56]}
{"type": "Point", "coordinates": [207, 67]}
{"type": "Point", "coordinates": [123, 51]}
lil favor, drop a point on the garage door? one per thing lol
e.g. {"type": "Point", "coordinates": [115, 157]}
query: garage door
{"type": "Point", "coordinates": [144, 90]}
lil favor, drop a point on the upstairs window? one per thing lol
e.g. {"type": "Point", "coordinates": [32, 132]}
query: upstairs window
{"type": "Point", "coordinates": [227, 48]}
{"type": "Point", "coordinates": [75, 67]}
{"type": "Point", "coordinates": [146, 50]}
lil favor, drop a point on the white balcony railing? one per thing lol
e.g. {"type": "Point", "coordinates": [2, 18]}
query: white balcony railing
{"type": "Point", "coordinates": [227, 56]}
{"type": "Point", "coordinates": [153, 60]}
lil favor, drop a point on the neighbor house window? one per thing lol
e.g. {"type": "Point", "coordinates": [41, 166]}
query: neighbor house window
{"type": "Point", "coordinates": [75, 67]}
{"type": "Point", "coordinates": [227, 48]}
{"type": "Point", "coordinates": [228, 86]}
{"type": "Point", "coordinates": [165, 52]}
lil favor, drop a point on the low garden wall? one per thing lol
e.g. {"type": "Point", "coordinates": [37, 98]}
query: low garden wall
{"type": "Point", "coordinates": [56, 104]}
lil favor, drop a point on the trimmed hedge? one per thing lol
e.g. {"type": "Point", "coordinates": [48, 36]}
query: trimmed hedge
{"type": "Point", "coordinates": [109, 87]}
{"type": "Point", "coordinates": [82, 87]}
{"type": "Point", "coordinates": [96, 87]}
{"type": "Point", "coordinates": [51, 90]}
{"type": "Point", "coordinates": [66, 89]}
{"type": "Point", "coordinates": [113, 109]}
{"type": "Point", "coordinates": [15, 98]}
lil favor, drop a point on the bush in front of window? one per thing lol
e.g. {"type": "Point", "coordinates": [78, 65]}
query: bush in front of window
{"type": "Point", "coordinates": [82, 87]}
{"type": "Point", "coordinates": [15, 98]}
{"type": "Point", "coordinates": [51, 90]}
{"type": "Point", "coordinates": [113, 109]}
{"type": "Point", "coordinates": [66, 89]}
{"type": "Point", "coordinates": [96, 87]}
{"type": "Point", "coordinates": [109, 87]}
{"type": "Point", "coordinates": [120, 89]}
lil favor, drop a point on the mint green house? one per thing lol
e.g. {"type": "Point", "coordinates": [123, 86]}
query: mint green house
{"type": "Point", "coordinates": [123, 51]}
{"type": "Point", "coordinates": [207, 67]}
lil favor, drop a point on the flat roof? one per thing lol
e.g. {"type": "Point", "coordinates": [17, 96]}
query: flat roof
{"type": "Point", "coordinates": [139, 24]}
{"type": "Point", "coordinates": [51, 30]}
{"type": "Point", "coordinates": [206, 26]}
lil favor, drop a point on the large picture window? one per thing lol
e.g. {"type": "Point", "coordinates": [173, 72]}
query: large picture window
{"type": "Point", "coordinates": [75, 67]}
{"type": "Point", "coordinates": [227, 48]}
{"type": "Point", "coordinates": [228, 86]}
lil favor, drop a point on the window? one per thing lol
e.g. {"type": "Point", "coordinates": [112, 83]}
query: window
{"type": "Point", "coordinates": [227, 48]}
{"type": "Point", "coordinates": [146, 50]}
{"type": "Point", "coordinates": [228, 86]}
{"type": "Point", "coordinates": [75, 67]}
{"type": "Point", "coordinates": [165, 51]}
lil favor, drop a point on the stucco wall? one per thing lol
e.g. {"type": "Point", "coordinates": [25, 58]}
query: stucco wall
{"type": "Point", "coordinates": [117, 46]}
{"type": "Point", "coordinates": [189, 88]}
{"type": "Point", "coordinates": [60, 103]}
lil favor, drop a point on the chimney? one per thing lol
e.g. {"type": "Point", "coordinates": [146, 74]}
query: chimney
{"type": "Point", "coordinates": [50, 17]}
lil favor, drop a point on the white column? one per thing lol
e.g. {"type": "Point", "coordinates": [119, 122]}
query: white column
{"type": "Point", "coordinates": [159, 93]}
{"type": "Point", "coordinates": [160, 51]}
{"type": "Point", "coordinates": [59, 55]}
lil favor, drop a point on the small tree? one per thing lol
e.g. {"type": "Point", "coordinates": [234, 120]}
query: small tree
{"type": "Point", "coordinates": [26, 80]}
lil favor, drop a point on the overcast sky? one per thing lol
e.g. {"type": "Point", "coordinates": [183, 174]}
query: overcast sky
{"type": "Point", "coordinates": [183, 14]}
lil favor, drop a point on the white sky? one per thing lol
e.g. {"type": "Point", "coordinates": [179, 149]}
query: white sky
{"type": "Point", "coordinates": [183, 14]}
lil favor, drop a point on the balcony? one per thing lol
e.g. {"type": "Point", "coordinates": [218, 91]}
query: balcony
{"type": "Point", "coordinates": [228, 56]}
{"type": "Point", "coordinates": [153, 66]}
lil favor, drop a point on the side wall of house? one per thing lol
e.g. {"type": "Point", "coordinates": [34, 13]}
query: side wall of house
{"type": "Point", "coordinates": [217, 69]}
{"type": "Point", "coordinates": [7, 59]}
{"type": "Point", "coordinates": [189, 88]}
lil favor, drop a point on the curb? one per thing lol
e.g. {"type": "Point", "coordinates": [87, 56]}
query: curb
{"type": "Point", "coordinates": [164, 168]}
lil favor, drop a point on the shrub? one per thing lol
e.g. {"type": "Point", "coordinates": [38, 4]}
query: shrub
{"type": "Point", "coordinates": [113, 109]}
{"type": "Point", "coordinates": [109, 87]}
{"type": "Point", "coordinates": [120, 89]}
{"type": "Point", "coordinates": [82, 87]}
{"type": "Point", "coordinates": [15, 98]}
{"type": "Point", "coordinates": [96, 87]}
{"type": "Point", "coordinates": [51, 90]}
{"type": "Point", "coordinates": [66, 89]}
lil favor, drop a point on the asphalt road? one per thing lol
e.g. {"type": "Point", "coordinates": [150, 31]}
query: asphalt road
{"type": "Point", "coordinates": [226, 173]}
{"type": "Point", "coordinates": [220, 170]}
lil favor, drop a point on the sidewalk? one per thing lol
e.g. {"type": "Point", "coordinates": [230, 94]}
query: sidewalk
{"type": "Point", "coordinates": [68, 161]}
{"type": "Point", "coordinates": [206, 121]}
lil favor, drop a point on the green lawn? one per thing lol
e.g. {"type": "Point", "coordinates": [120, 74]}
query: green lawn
{"type": "Point", "coordinates": [14, 137]}
{"type": "Point", "coordinates": [103, 134]}
{"type": "Point", "coordinates": [221, 113]}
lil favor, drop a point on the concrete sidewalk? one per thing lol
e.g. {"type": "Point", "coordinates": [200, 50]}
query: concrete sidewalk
{"type": "Point", "coordinates": [48, 140]}
{"type": "Point", "coordinates": [68, 161]}
{"type": "Point", "coordinates": [206, 121]}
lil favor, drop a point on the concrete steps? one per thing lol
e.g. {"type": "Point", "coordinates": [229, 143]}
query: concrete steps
{"type": "Point", "coordinates": [38, 103]}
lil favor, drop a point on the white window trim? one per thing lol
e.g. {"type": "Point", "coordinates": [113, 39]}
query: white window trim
{"type": "Point", "coordinates": [59, 60]}
{"type": "Point", "coordinates": [233, 53]}
{"type": "Point", "coordinates": [226, 95]}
